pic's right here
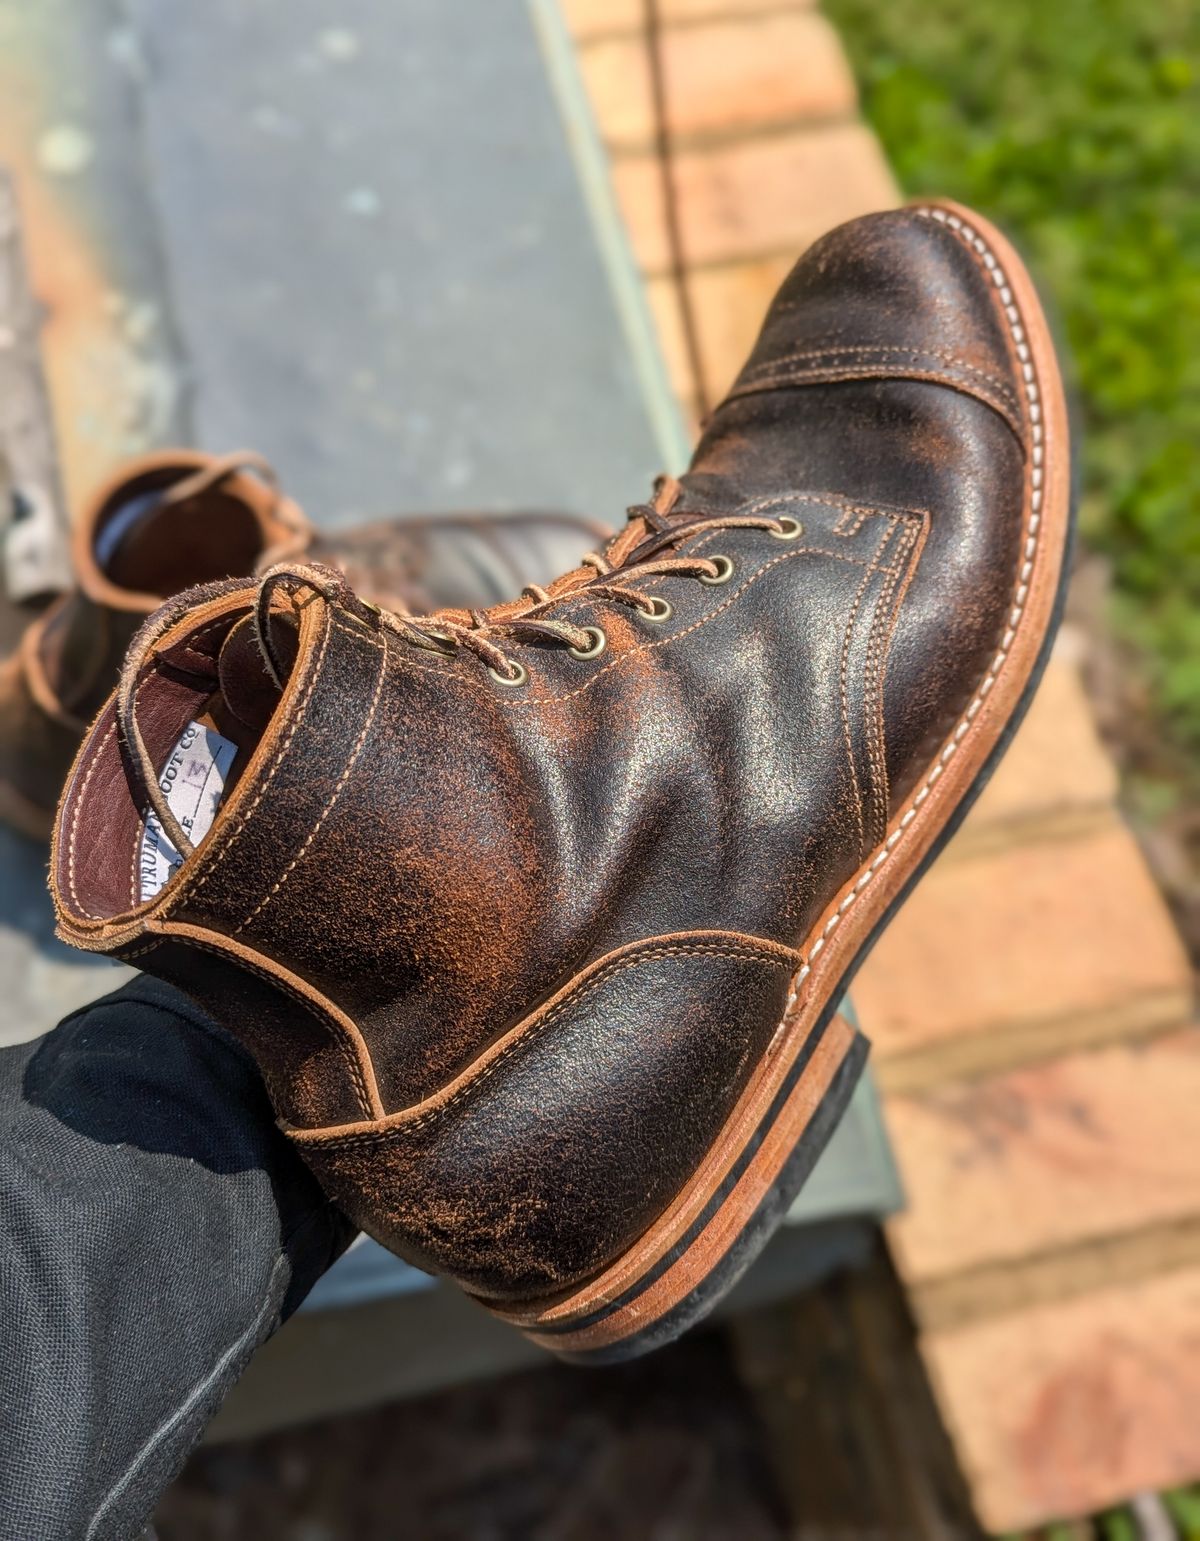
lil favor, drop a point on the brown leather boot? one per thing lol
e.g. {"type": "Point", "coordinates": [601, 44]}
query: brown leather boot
{"type": "Point", "coordinates": [170, 520]}
{"type": "Point", "coordinates": [536, 920]}
{"type": "Point", "coordinates": [165, 521]}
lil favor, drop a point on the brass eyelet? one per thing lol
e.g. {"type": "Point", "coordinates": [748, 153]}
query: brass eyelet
{"type": "Point", "coordinates": [519, 677]}
{"type": "Point", "coordinates": [724, 571]}
{"type": "Point", "coordinates": [658, 610]}
{"type": "Point", "coordinates": [599, 643]}
{"type": "Point", "coordinates": [789, 529]}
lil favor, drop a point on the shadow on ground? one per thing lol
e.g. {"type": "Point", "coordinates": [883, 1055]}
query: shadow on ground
{"type": "Point", "coordinates": [666, 1447]}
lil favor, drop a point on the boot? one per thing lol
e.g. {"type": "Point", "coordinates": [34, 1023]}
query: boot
{"type": "Point", "coordinates": [537, 919]}
{"type": "Point", "coordinates": [165, 521]}
{"type": "Point", "coordinates": [172, 519]}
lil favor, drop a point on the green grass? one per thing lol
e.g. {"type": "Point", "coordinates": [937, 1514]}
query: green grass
{"type": "Point", "coordinates": [1076, 126]}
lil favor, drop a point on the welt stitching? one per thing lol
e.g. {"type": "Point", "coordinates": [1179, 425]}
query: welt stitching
{"type": "Point", "coordinates": [79, 802]}
{"type": "Point", "coordinates": [955, 360]}
{"type": "Point", "coordinates": [340, 1042]}
{"type": "Point", "coordinates": [1035, 460]}
{"type": "Point", "coordinates": [843, 676]}
{"type": "Point", "coordinates": [352, 760]}
{"type": "Point", "coordinates": [746, 951]}
{"type": "Point", "coordinates": [938, 377]}
{"type": "Point", "coordinates": [219, 856]}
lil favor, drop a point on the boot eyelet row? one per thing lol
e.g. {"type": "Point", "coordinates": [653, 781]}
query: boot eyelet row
{"type": "Point", "coordinates": [520, 676]}
{"type": "Point", "coordinates": [789, 529]}
{"type": "Point", "coordinates": [724, 572]}
{"type": "Point", "coordinates": [658, 610]}
{"type": "Point", "coordinates": [599, 642]}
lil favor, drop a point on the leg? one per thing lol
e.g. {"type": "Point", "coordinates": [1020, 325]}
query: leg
{"type": "Point", "coordinates": [155, 1227]}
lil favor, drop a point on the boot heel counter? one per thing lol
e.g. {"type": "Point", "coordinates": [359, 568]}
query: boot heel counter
{"type": "Point", "coordinates": [311, 1057]}
{"type": "Point", "coordinates": [560, 1147]}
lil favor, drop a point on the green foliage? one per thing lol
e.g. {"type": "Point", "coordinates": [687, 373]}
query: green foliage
{"type": "Point", "coordinates": [1077, 127]}
{"type": "Point", "coordinates": [1118, 1525]}
{"type": "Point", "coordinates": [1184, 1508]}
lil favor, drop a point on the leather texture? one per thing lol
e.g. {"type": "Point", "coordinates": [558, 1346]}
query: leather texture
{"type": "Point", "coordinates": [234, 524]}
{"type": "Point", "coordinates": [551, 923]}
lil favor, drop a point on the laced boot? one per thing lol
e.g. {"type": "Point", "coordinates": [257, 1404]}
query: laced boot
{"type": "Point", "coordinates": [536, 918]}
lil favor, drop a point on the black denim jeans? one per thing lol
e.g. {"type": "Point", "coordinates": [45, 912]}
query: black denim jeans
{"type": "Point", "coordinates": [155, 1228]}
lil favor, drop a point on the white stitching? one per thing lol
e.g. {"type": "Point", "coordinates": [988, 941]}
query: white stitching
{"type": "Point", "coordinates": [945, 354]}
{"type": "Point", "coordinates": [736, 945]}
{"type": "Point", "coordinates": [351, 761]}
{"type": "Point", "coordinates": [79, 801]}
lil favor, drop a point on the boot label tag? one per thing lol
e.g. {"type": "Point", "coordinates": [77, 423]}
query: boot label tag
{"type": "Point", "coordinates": [193, 782]}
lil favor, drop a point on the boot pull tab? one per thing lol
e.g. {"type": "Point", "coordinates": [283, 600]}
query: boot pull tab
{"type": "Point", "coordinates": [143, 650]}
{"type": "Point", "coordinates": [288, 580]}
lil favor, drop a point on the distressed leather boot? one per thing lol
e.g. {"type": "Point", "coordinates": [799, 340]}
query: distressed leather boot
{"type": "Point", "coordinates": [175, 518]}
{"type": "Point", "coordinates": [536, 919]}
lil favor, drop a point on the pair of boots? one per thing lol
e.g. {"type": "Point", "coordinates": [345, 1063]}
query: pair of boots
{"type": "Point", "coordinates": [170, 520]}
{"type": "Point", "coordinates": [536, 916]}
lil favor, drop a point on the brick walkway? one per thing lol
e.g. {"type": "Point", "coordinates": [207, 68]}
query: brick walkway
{"type": "Point", "coordinates": [1029, 1006]}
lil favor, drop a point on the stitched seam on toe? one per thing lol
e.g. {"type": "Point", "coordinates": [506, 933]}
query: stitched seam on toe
{"type": "Point", "coordinates": [1034, 457]}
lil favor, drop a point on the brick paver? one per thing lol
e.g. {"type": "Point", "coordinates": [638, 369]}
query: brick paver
{"type": "Point", "coordinates": [730, 302]}
{"type": "Point", "coordinates": [589, 19]}
{"type": "Point", "coordinates": [1047, 1157]}
{"type": "Point", "coordinates": [1022, 954]}
{"type": "Point", "coordinates": [751, 198]}
{"type": "Point", "coordinates": [724, 77]}
{"type": "Point", "coordinates": [1056, 777]}
{"type": "Point", "coordinates": [1064, 1409]}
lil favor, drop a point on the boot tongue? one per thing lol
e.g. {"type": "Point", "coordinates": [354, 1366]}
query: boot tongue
{"type": "Point", "coordinates": [249, 690]}
{"type": "Point", "coordinates": [617, 552]}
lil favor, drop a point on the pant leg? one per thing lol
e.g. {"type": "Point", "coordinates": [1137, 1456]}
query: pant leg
{"type": "Point", "coordinates": [155, 1227]}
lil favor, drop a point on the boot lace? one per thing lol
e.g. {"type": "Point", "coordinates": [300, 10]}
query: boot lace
{"type": "Point", "coordinates": [641, 552]}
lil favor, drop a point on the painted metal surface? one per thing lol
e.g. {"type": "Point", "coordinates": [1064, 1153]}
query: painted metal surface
{"type": "Point", "coordinates": [377, 244]}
